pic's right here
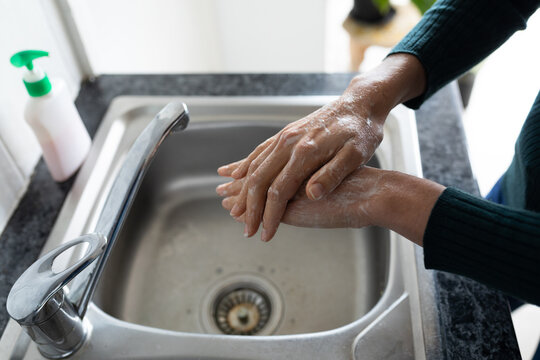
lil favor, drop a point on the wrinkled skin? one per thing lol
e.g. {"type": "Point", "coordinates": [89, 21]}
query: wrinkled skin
{"type": "Point", "coordinates": [333, 135]}
{"type": "Point", "coordinates": [321, 149]}
{"type": "Point", "coordinates": [367, 196]}
{"type": "Point", "coordinates": [347, 206]}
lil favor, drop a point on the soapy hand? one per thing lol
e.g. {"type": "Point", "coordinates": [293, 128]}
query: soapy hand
{"type": "Point", "coordinates": [368, 196]}
{"type": "Point", "coordinates": [323, 147]}
{"type": "Point", "coordinates": [349, 205]}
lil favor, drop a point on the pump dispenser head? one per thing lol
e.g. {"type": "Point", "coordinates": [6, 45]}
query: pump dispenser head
{"type": "Point", "coordinates": [36, 81]}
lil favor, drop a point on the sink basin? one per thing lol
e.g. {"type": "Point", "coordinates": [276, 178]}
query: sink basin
{"type": "Point", "coordinates": [179, 243]}
{"type": "Point", "coordinates": [183, 282]}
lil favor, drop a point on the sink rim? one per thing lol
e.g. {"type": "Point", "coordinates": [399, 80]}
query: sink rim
{"type": "Point", "coordinates": [81, 191]}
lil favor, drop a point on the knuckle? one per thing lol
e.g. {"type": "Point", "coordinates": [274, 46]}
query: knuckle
{"type": "Point", "coordinates": [252, 168]}
{"type": "Point", "coordinates": [273, 194]}
{"type": "Point", "coordinates": [379, 134]}
{"type": "Point", "coordinates": [305, 147]}
{"type": "Point", "coordinates": [357, 151]}
{"type": "Point", "coordinates": [253, 181]}
{"type": "Point", "coordinates": [331, 173]}
{"type": "Point", "coordinates": [250, 216]}
{"type": "Point", "coordinates": [349, 131]}
{"type": "Point", "coordinates": [264, 144]}
{"type": "Point", "coordinates": [376, 132]}
{"type": "Point", "coordinates": [289, 136]}
{"type": "Point", "coordinates": [260, 148]}
{"type": "Point", "coordinates": [289, 126]}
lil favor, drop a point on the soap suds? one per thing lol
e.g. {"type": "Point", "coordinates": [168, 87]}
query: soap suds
{"type": "Point", "coordinates": [297, 159]}
{"type": "Point", "coordinates": [292, 139]}
{"type": "Point", "coordinates": [323, 126]}
{"type": "Point", "coordinates": [273, 191]}
{"type": "Point", "coordinates": [319, 122]}
{"type": "Point", "coordinates": [348, 122]}
{"type": "Point", "coordinates": [348, 98]}
{"type": "Point", "coordinates": [363, 149]}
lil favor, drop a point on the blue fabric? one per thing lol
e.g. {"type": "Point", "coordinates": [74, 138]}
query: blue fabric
{"type": "Point", "coordinates": [496, 193]}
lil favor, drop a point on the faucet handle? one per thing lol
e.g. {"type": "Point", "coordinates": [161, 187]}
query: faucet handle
{"type": "Point", "coordinates": [39, 283]}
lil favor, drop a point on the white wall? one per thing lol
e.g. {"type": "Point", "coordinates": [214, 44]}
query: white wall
{"type": "Point", "coordinates": [26, 24]}
{"type": "Point", "coordinates": [271, 36]}
{"type": "Point", "coordinates": [171, 36]}
{"type": "Point", "coordinates": [155, 36]}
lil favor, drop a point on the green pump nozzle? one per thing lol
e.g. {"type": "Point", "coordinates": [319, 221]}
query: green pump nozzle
{"type": "Point", "coordinates": [36, 81]}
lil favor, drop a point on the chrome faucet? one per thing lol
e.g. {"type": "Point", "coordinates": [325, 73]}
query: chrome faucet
{"type": "Point", "coordinates": [39, 300]}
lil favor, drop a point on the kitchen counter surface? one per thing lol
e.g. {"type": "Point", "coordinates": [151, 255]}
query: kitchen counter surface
{"type": "Point", "coordinates": [475, 321]}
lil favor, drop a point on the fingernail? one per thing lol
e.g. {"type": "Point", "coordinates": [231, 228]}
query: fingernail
{"type": "Point", "coordinates": [234, 210]}
{"type": "Point", "coordinates": [265, 235]}
{"type": "Point", "coordinates": [246, 233]}
{"type": "Point", "coordinates": [316, 191]}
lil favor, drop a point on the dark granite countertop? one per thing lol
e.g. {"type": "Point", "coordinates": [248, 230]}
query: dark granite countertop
{"type": "Point", "coordinates": [475, 321]}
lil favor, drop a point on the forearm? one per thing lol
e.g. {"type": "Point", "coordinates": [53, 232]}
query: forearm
{"type": "Point", "coordinates": [405, 204]}
{"type": "Point", "coordinates": [370, 196]}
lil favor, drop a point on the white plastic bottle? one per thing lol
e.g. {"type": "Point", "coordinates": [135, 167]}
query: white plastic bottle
{"type": "Point", "coordinates": [53, 117]}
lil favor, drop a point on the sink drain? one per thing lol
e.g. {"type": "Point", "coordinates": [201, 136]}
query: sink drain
{"type": "Point", "coordinates": [242, 304]}
{"type": "Point", "coordinates": [242, 311]}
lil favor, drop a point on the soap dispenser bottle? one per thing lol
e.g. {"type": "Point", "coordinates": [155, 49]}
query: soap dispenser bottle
{"type": "Point", "coordinates": [51, 114]}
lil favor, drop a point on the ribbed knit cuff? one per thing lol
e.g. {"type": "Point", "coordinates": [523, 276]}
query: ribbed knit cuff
{"type": "Point", "coordinates": [494, 244]}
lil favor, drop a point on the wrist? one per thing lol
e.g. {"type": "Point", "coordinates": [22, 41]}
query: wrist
{"type": "Point", "coordinates": [400, 77]}
{"type": "Point", "coordinates": [405, 204]}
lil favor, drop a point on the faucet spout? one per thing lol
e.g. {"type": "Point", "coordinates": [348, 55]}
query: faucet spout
{"type": "Point", "coordinates": [172, 118]}
{"type": "Point", "coordinates": [53, 317]}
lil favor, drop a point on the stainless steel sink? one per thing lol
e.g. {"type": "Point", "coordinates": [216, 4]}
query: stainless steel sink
{"type": "Point", "coordinates": [181, 266]}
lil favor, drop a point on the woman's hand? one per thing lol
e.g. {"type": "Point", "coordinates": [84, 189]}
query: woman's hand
{"type": "Point", "coordinates": [324, 147]}
{"type": "Point", "coordinates": [368, 196]}
{"type": "Point", "coordinates": [347, 206]}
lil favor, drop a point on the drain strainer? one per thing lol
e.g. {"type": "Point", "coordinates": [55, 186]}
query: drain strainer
{"type": "Point", "coordinates": [242, 304]}
{"type": "Point", "coordinates": [242, 311]}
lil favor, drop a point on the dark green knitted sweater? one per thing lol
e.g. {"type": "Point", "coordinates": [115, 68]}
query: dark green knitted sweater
{"type": "Point", "coordinates": [495, 244]}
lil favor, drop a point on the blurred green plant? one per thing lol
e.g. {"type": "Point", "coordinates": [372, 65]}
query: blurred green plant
{"type": "Point", "coordinates": [382, 5]}
{"type": "Point", "coordinates": [422, 5]}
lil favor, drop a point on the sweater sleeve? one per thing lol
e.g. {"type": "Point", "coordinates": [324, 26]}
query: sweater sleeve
{"type": "Point", "coordinates": [491, 243]}
{"type": "Point", "coordinates": [455, 35]}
